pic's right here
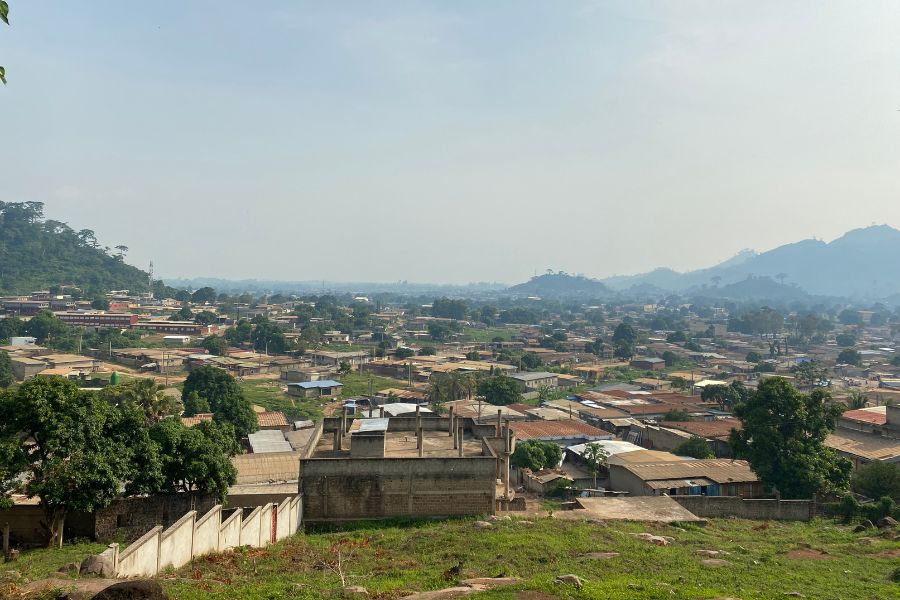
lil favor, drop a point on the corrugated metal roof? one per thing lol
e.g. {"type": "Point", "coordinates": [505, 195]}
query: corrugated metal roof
{"type": "Point", "coordinates": [268, 440]}
{"type": "Point", "coordinates": [719, 471]}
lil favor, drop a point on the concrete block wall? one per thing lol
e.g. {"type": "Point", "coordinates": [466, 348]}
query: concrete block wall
{"type": "Point", "coordinates": [141, 558]}
{"type": "Point", "coordinates": [250, 528]}
{"type": "Point", "coordinates": [190, 537]}
{"type": "Point", "coordinates": [350, 489]}
{"type": "Point", "coordinates": [230, 531]}
{"type": "Point", "coordinates": [206, 532]}
{"type": "Point", "coordinates": [283, 520]}
{"type": "Point", "coordinates": [265, 526]}
{"type": "Point", "coordinates": [176, 544]}
{"type": "Point", "coordinates": [763, 509]}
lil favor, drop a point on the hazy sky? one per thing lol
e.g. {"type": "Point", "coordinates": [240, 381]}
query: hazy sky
{"type": "Point", "coordinates": [451, 141]}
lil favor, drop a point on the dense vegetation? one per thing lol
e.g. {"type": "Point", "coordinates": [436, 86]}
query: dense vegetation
{"type": "Point", "coordinates": [39, 254]}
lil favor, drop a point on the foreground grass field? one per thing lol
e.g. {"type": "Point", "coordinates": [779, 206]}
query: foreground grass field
{"type": "Point", "coordinates": [820, 560]}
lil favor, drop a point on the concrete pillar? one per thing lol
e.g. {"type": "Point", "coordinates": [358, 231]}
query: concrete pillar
{"type": "Point", "coordinates": [337, 440]}
{"type": "Point", "coordinates": [459, 434]}
{"type": "Point", "coordinates": [451, 424]}
{"type": "Point", "coordinates": [499, 416]}
{"type": "Point", "coordinates": [506, 460]}
{"type": "Point", "coordinates": [419, 442]}
{"type": "Point", "coordinates": [381, 412]}
{"type": "Point", "coordinates": [455, 433]}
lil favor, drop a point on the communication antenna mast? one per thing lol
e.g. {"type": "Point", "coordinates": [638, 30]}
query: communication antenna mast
{"type": "Point", "coordinates": [150, 281]}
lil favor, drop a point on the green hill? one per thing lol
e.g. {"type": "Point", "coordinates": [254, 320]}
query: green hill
{"type": "Point", "coordinates": [38, 253]}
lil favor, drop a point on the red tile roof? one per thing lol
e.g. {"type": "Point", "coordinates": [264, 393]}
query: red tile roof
{"type": "Point", "coordinates": [866, 416]}
{"type": "Point", "coordinates": [707, 429]}
{"type": "Point", "coordinates": [273, 418]}
{"type": "Point", "coordinates": [196, 419]}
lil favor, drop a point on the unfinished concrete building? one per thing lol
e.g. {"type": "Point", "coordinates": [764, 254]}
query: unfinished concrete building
{"type": "Point", "coordinates": [416, 466]}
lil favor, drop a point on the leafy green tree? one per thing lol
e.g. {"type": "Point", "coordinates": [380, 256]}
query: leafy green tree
{"type": "Point", "coordinates": [671, 358]}
{"type": "Point", "coordinates": [845, 339]}
{"type": "Point", "coordinates": [849, 356]}
{"type": "Point", "coordinates": [403, 352]}
{"type": "Point", "coordinates": [240, 333]}
{"type": "Point", "coordinates": [11, 327]}
{"type": "Point", "coordinates": [427, 351]}
{"type": "Point", "coordinates": [12, 464]}
{"type": "Point", "coordinates": [809, 373]}
{"type": "Point", "coordinates": [473, 355]}
{"type": "Point", "coordinates": [782, 436]}
{"type": "Point", "coordinates": [624, 339]}
{"type": "Point", "coordinates": [226, 400]}
{"type": "Point", "coordinates": [717, 394]}
{"type": "Point", "coordinates": [531, 361]}
{"type": "Point", "coordinates": [100, 303]}
{"type": "Point", "coordinates": [754, 357]}
{"type": "Point", "coordinates": [205, 317]}
{"type": "Point", "coordinates": [499, 390]}
{"type": "Point", "coordinates": [4, 16]}
{"type": "Point", "coordinates": [147, 396]}
{"type": "Point", "coordinates": [850, 317]}
{"type": "Point", "coordinates": [676, 337]}
{"type": "Point", "coordinates": [449, 309]}
{"type": "Point", "coordinates": [7, 377]}
{"type": "Point", "coordinates": [183, 314]}
{"type": "Point", "coordinates": [856, 400]}
{"type": "Point", "coordinates": [45, 326]}
{"type": "Point", "coordinates": [344, 368]}
{"type": "Point", "coordinates": [82, 451]}
{"type": "Point", "coordinates": [205, 295]}
{"type": "Point", "coordinates": [215, 344]}
{"type": "Point", "coordinates": [595, 456]}
{"type": "Point", "coordinates": [536, 455]}
{"type": "Point", "coordinates": [693, 346]}
{"type": "Point", "coordinates": [194, 405]}
{"type": "Point", "coordinates": [195, 460]}
{"type": "Point", "coordinates": [677, 415]}
{"type": "Point", "coordinates": [695, 447]}
{"type": "Point", "coordinates": [680, 383]}
{"type": "Point", "coordinates": [877, 479]}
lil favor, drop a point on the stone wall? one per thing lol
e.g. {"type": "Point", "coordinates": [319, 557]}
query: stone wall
{"type": "Point", "coordinates": [350, 489]}
{"type": "Point", "coordinates": [729, 506]}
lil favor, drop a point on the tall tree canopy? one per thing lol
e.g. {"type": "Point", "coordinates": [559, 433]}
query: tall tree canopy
{"type": "Point", "coordinates": [225, 398]}
{"type": "Point", "coordinates": [782, 436]}
{"type": "Point", "coordinates": [499, 390]}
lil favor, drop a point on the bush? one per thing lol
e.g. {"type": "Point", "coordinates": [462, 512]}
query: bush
{"type": "Point", "coordinates": [847, 508]}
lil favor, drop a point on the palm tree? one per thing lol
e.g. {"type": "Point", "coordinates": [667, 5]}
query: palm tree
{"type": "Point", "coordinates": [595, 456]}
{"type": "Point", "coordinates": [856, 400]}
{"type": "Point", "coordinates": [151, 398]}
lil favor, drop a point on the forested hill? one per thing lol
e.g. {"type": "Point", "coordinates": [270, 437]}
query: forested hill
{"type": "Point", "coordinates": [37, 253]}
{"type": "Point", "coordinates": [554, 285]}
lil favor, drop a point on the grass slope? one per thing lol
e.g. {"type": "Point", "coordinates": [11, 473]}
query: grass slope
{"type": "Point", "coordinates": [391, 560]}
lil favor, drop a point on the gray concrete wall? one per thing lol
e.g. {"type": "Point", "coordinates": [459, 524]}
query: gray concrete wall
{"type": "Point", "coordinates": [176, 542]}
{"type": "Point", "coordinates": [230, 531]}
{"type": "Point", "coordinates": [141, 558]}
{"type": "Point", "coordinates": [729, 506]}
{"type": "Point", "coordinates": [206, 532]}
{"type": "Point", "coordinates": [367, 488]}
{"type": "Point", "coordinates": [622, 480]}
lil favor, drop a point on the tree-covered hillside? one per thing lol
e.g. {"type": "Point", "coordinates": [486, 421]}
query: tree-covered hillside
{"type": "Point", "coordinates": [37, 253]}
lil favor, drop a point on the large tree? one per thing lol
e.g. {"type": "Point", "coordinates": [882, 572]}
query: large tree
{"type": "Point", "coordinates": [782, 436]}
{"type": "Point", "coordinates": [624, 339]}
{"type": "Point", "coordinates": [146, 395]}
{"type": "Point", "coordinates": [878, 479]}
{"type": "Point", "coordinates": [536, 455]}
{"type": "Point", "coordinates": [195, 460]}
{"type": "Point", "coordinates": [499, 390]}
{"type": "Point", "coordinates": [225, 398]}
{"type": "Point", "coordinates": [78, 452]}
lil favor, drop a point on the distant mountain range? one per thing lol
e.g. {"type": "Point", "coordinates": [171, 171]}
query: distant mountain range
{"type": "Point", "coordinates": [863, 263]}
